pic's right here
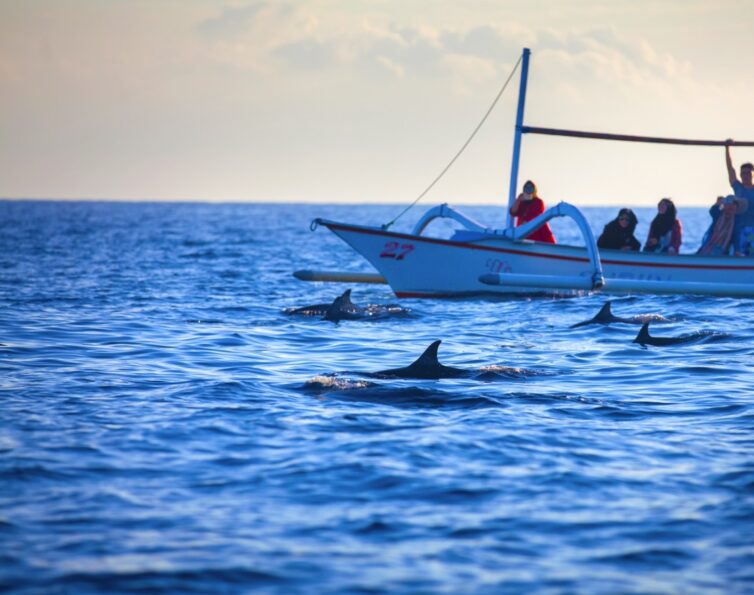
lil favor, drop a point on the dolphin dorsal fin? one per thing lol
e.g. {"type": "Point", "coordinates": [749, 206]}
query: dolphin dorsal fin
{"type": "Point", "coordinates": [643, 333]}
{"type": "Point", "coordinates": [605, 313]}
{"type": "Point", "coordinates": [429, 357]}
{"type": "Point", "coordinates": [338, 304]}
{"type": "Point", "coordinates": [345, 298]}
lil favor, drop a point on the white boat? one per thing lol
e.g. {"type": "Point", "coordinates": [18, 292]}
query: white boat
{"type": "Point", "coordinates": [480, 260]}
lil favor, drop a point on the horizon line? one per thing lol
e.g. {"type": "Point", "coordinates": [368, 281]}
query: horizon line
{"type": "Point", "coordinates": [500, 204]}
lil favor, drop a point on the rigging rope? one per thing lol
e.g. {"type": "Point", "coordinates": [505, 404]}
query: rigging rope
{"type": "Point", "coordinates": [458, 154]}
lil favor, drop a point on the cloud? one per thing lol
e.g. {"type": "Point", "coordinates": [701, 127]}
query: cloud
{"type": "Point", "coordinates": [477, 53]}
{"type": "Point", "coordinates": [233, 21]}
{"type": "Point", "coordinates": [408, 49]}
{"type": "Point", "coordinates": [488, 42]}
{"type": "Point", "coordinates": [608, 56]}
{"type": "Point", "coordinates": [287, 37]}
{"type": "Point", "coordinates": [397, 51]}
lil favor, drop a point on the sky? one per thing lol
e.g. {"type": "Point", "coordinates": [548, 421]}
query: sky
{"type": "Point", "coordinates": [367, 101]}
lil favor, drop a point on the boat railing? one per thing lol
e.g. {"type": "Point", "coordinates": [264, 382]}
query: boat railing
{"type": "Point", "coordinates": [595, 280]}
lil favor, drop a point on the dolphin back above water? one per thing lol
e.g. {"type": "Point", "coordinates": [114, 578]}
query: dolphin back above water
{"type": "Point", "coordinates": [644, 338]}
{"type": "Point", "coordinates": [312, 310]}
{"type": "Point", "coordinates": [342, 308]}
{"type": "Point", "coordinates": [339, 308]}
{"type": "Point", "coordinates": [606, 316]}
{"type": "Point", "coordinates": [426, 367]}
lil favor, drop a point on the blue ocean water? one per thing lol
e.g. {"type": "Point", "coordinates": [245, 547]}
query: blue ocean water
{"type": "Point", "coordinates": [166, 427]}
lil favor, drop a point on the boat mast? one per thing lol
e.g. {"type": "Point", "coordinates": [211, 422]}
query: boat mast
{"type": "Point", "coordinates": [517, 134]}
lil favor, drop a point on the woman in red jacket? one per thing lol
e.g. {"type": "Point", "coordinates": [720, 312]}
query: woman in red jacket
{"type": "Point", "coordinates": [528, 206]}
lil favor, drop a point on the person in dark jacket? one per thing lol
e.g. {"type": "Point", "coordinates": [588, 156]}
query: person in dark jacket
{"type": "Point", "coordinates": [619, 233]}
{"type": "Point", "coordinates": [665, 231]}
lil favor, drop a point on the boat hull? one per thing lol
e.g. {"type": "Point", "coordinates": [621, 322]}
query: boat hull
{"type": "Point", "coordinates": [422, 266]}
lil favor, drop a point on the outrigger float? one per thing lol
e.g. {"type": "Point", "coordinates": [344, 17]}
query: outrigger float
{"type": "Point", "coordinates": [481, 260]}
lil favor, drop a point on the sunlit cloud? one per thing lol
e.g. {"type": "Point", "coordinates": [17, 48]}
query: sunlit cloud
{"type": "Point", "coordinates": [294, 37]}
{"type": "Point", "coordinates": [232, 22]}
{"type": "Point", "coordinates": [87, 86]}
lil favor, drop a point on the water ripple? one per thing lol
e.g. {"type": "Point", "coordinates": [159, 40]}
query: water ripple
{"type": "Point", "coordinates": [166, 427]}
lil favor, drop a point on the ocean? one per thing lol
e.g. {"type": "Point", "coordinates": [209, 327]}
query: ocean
{"type": "Point", "coordinates": [166, 427]}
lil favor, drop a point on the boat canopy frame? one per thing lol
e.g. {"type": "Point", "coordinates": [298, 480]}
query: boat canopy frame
{"type": "Point", "coordinates": [521, 129]}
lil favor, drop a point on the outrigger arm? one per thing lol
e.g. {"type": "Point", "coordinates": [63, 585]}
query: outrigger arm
{"type": "Point", "coordinates": [445, 211]}
{"type": "Point", "coordinates": [595, 279]}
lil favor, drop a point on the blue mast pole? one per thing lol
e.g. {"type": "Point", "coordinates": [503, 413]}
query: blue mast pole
{"type": "Point", "coordinates": [517, 134]}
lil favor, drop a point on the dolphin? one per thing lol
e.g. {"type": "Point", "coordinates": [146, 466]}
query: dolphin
{"type": "Point", "coordinates": [606, 316]}
{"type": "Point", "coordinates": [312, 310]}
{"type": "Point", "coordinates": [339, 308]}
{"type": "Point", "coordinates": [342, 308]}
{"type": "Point", "coordinates": [644, 338]}
{"type": "Point", "coordinates": [426, 367]}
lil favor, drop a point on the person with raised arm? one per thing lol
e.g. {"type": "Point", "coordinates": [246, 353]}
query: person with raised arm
{"type": "Point", "coordinates": [743, 189]}
{"type": "Point", "coordinates": [526, 207]}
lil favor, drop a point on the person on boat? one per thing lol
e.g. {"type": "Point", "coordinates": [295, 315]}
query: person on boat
{"type": "Point", "coordinates": [743, 227]}
{"type": "Point", "coordinates": [526, 207]}
{"type": "Point", "coordinates": [619, 233]}
{"type": "Point", "coordinates": [717, 238]}
{"type": "Point", "coordinates": [665, 230]}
